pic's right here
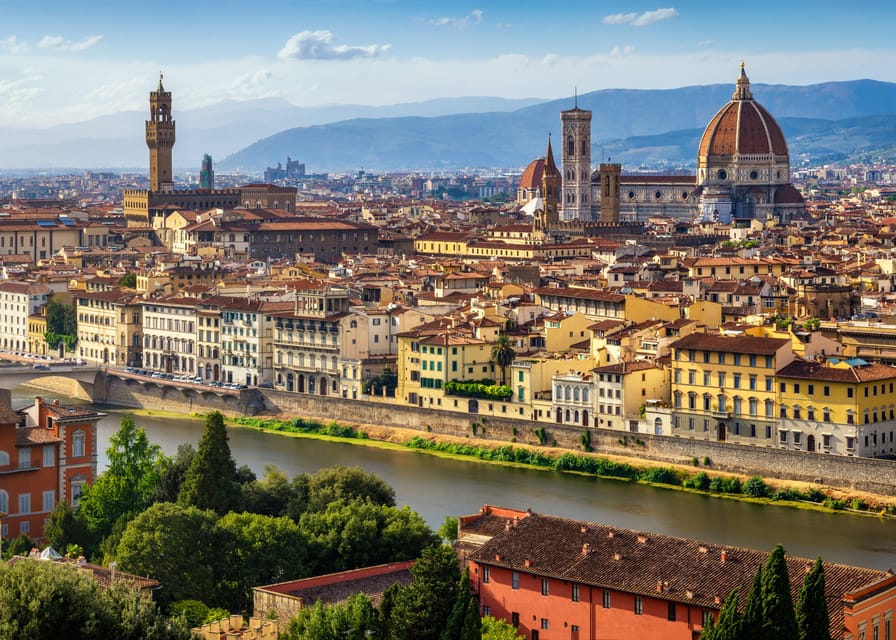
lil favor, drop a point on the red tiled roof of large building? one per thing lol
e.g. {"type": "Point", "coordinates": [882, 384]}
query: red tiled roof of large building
{"type": "Point", "coordinates": [858, 371]}
{"type": "Point", "coordinates": [751, 345]}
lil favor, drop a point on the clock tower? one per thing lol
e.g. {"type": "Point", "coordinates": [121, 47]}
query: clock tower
{"type": "Point", "coordinates": [160, 140]}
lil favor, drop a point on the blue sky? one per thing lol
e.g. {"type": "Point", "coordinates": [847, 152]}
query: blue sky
{"type": "Point", "coordinates": [69, 61]}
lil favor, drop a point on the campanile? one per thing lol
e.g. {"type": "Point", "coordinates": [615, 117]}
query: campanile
{"type": "Point", "coordinates": [160, 139]}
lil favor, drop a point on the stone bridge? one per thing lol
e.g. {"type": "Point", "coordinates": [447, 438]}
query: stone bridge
{"type": "Point", "coordinates": [71, 380]}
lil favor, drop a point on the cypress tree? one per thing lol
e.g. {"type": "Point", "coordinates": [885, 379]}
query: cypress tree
{"type": "Point", "coordinates": [455, 622]}
{"type": "Point", "coordinates": [811, 607]}
{"type": "Point", "coordinates": [777, 603]}
{"type": "Point", "coordinates": [709, 629]}
{"type": "Point", "coordinates": [211, 480]}
{"type": "Point", "coordinates": [751, 623]}
{"type": "Point", "coordinates": [729, 626]}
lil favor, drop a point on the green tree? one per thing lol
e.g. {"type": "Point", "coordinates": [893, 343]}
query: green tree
{"type": "Point", "coordinates": [751, 623]}
{"type": "Point", "coordinates": [448, 530]}
{"type": "Point", "coordinates": [464, 622]}
{"type": "Point", "coordinates": [354, 619]}
{"type": "Point", "coordinates": [62, 318]}
{"type": "Point", "coordinates": [129, 483]}
{"type": "Point", "coordinates": [63, 528]}
{"type": "Point", "coordinates": [347, 483]}
{"type": "Point", "coordinates": [50, 600]}
{"type": "Point", "coordinates": [503, 354]}
{"type": "Point", "coordinates": [269, 496]}
{"type": "Point", "coordinates": [20, 546]}
{"type": "Point", "coordinates": [777, 604]}
{"type": "Point", "coordinates": [175, 472]}
{"type": "Point", "coordinates": [128, 280]}
{"type": "Point", "coordinates": [811, 607]}
{"type": "Point", "coordinates": [180, 546]}
{"type": "Point", "coordinates": [211, 480]}
{"type": "Point", "coordinates": [348, 535]}
{"type": "Point", "coordinates": [729, 625]}
{"type": "Point", "coordinates": [260, 550]}
{"type": "Point", "coordinates": [498, 629]}
{"type": "Point", "coordinates": [422, 607]}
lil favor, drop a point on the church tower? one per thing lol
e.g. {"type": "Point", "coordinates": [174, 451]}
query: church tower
{"type": "Point", "coordinates": [609, 192]}
{"type": "Point", "coordinates": [547, 216]}
{"type": "Point", "coordinates": [160, 140]}
{"type": "Point", "coordinates": [576, 197]}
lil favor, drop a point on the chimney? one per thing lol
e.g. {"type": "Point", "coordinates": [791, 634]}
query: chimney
{"type": "Point", "coordinates": [690, 594]}
{"type": "Point", "coordinates": [617, 556]}
{"type": "Point", "coordinates": [717, 600]}
{"type": "Point", "coordinates": [642, 539]}
{"type": "Point", "coordinates": [586, 549]}
{"type": "Point", "coordinates": [702, 548]}
{"type": "Point", "coordinates": [527, 562]}
{"type": "Point", "coordinates": [724, 556]}
{"type": "Point", "coordinates": [659, 586]}
{"type": "Point", "coordinates": [516, 520]}
{"type": "Point", "coordinates": [507, 525]}
{"type": "Point", "coordinates": [611, 534]}
{"type": "Point", "coordinates": [498, 557]}
{"type": "Point", "coordinates": [583, 529]}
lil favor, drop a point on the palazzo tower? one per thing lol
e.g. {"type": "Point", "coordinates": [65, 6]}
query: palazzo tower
{"type": "Point", "coordinates": [160, 140]}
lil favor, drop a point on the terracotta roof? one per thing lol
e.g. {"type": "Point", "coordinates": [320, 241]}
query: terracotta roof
{"type": "Point", "coordinates": [35, 435]}
{"type": "Point", "coordinates": [867, 372]}
{"type": "Point", "coordinates": [653, 565]}
{"type": "Point", "coordinates": [582, 294]}
{"type": "Point", "coordinates": [751, 345]}
{"type": "Point", "coordinates": [742, 127]}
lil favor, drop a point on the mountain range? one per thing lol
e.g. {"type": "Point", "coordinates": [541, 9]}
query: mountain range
{"type": "Point", "coordinates": [826, 122]}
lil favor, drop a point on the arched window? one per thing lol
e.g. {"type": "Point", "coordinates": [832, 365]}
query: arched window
{"type": "Point", "coordinates": [567, 415]}
{"type": "Point", "coordinates": [584, 147]}
{"type": "Point", "coordinates": [721, 402]}
{"type": "Point", "coordinates": [585, 394]}
{"type": "Point", "coordinates": [575, 396]}
{"type": "Point", "coordinates": [570, 146]}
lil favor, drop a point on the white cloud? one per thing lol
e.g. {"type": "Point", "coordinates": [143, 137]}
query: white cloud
{"type": "Point", "coordinates": [643, 19]}
{"type": "Point", "coordinates": [13, 45]}
{"type": "Point", "coordinates": [58, 43]}
{"type": "Point", "coordinates": [475, 17]}
{"type": "Point", "coordinates": [550, 60]}
{"type": "Point", "coordinates": [618, 51]}
{"type": "Point", "coordinates": [319, 45]}
{"type": "Point", "coordinates": [706, 43]}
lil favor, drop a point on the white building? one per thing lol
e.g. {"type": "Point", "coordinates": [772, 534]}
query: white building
{"type": "Point", "coordinates": [169, 335]}
{"type": "Point", "coordinates": [18, 300]}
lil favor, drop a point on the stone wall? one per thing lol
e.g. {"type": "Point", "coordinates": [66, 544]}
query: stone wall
{"type": "Point", "coordinates": [865, 474]}
{"type": "Point", "coordinates": [127, 392]}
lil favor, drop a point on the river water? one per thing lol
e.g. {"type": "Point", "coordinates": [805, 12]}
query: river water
{"type": "Point", "coordinates": [436, 487]}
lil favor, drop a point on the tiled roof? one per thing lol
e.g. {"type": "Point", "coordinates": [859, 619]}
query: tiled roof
{"type": "Point", "coordinates": [808, 370]}
{"type": "Point", "coordinates": [653, 565]}
{"type": "Point", "coordinates": [731, 344]}
{"type": "Point", "coordinates": [35, 435]}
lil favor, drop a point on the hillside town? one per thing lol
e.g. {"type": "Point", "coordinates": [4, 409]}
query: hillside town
{"type": "Point", "coordinates": [743, 304]}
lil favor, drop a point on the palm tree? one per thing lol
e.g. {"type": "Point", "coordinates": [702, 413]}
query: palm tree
{"type": "Point", "coordinates": [503, 354]}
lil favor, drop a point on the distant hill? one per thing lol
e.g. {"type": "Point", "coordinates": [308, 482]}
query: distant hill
{"type": "Point", "coordinates": [823, 122]}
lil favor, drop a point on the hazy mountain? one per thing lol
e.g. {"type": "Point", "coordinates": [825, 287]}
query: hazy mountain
{"type": "Point", "coordinates": [656, 127]}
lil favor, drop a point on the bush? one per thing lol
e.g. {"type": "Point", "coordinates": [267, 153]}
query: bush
{"type": "Point", "coordinates": [788, 494]}
{"type": "Point", "coordinates": [698, 481]}
{"type": "Point", "coordinates": [715, 485]}
{"type": "Point", "coordinates": [731, 485]}
{"type": "Point", "coordinates": [755, 487]}
{"type": "Point", "coordinates": [662, 475]}
{"type": "Point", "coordinates": [706, 461]}
{"type": "Point", "coordinates": [478, 389]}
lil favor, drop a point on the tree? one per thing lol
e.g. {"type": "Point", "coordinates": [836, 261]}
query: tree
{"type": "Point", "coordinates": [63, 528]}
{"type": "Point", "coordinates": [729, 625]}
{"type": "Point", "coordinates": [268, 496]}
{"type": "Point", "coordinates": [498, 629]}
{"type": "Point", "coordinates": [751, 623]}
{"type": "Point", "coordinates": [347, 483]}
{"type": "Point", "coordinates": [180, 546]}
{"type": "Point", "coordinates": [811, 607]}
{"type": "Point", "coordinates": [62, 325]}
{"type": "Point", "coordinates": [129, 483]}
{"type": "Point", "coordinates": [448, 530]}
{"type": "Point", "coordinates": [354, 619]}
{"type": "Point", "coordinates": [173, 478]}
{"type": "Point", "coordinates": [211, 480]}
{"type": "Point", "coordinates": [777, 605]}
{"type": "Point", "coordinates": [503, 354]}
{"type": "Point", "coordinates": [348, 535]}
{"type": "Point", "coordinates": [52, 600]}
{"type": "Point", "coordinates": [422, 607]}
{"type": "Point", "coordinates": [19, 546]}
{"type": "Point", "coordinates": [128, 280]}
{"type": "Point", "coordinates": [464, 622]}
{"type": "Point", "coordinates": [260, 550]}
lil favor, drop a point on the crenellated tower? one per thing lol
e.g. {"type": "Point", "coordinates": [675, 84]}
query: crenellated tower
{"type": "Point", "coordinates": [160, 140]}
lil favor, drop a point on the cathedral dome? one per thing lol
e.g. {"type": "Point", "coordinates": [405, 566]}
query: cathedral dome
{"type": "Point", "coordinates": [532, 175]}
{"type": "Point", "coordinates": [742, 127]}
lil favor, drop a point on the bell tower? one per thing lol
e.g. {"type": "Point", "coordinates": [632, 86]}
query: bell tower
{"type": "Point", "coordinates": [576, 159]}
{"type": "Point", "coordinates": [160, 140]}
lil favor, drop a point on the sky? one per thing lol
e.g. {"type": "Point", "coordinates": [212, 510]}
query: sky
{"type": "Point", "coordinates": [71, 61]}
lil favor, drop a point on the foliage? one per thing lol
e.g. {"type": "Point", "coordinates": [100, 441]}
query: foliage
{"type": "Point", "coordinates": [751, 622]}
{"type": "Point", "coordinates": [53, 339]}
{"type": "Point", "coordinates": [180, 547]}
{"type": "Point", "coordinates": [464, 622]}
{"type": "Point", "coordinates": [347, 483]}
{"type": "Point", "coordinates": [698, 481]}
{"type": "Point", "coordinates": [51, 600]}
{"type": "Point", "coordinates": [498, 629]}
{"type": "Point", "coordinates": [777, 606]}
{"type": "Point", "coordinates": [812, 618]}
{"type": "Point", "coordinates": [585, 440]}
{"type": "Point", "coordinates": [422, 607]}
{"type": "Point", "coordinates": [386, 380]}
{"type": "Point", "coordinates": [128, 485]}
{"type": "Point", "coordinates": [63, 529]}
{"type": "Point", "coordinates": [62, 325]}
{"type": "Point", "coordinates": [275, 494]}
{"type": "Point", "coordinates": [173, 478]}
{"type": "Point", "coordinates": [211, 480]}
{"type": "Point", "coordinates": [475, 389]}
{"type": "Point", "coordinates": [301, 425]}
{"type": "Point", "coordinates": [503, 355]}
{"type": "Point", "coordinates": [729, 625]}
{"type": "Point", "coordinates": [541, 434]}
{"type": "Point", "coordinates": [448, 530]}
{"type": "Point", "coordinates": [128, 280]}
{"type": "Point", "coordinates": [662, 475]}
{"type": "Point", "coordinates": [348, 535]}
{"type": "Point", "coordinates": [354, 619]}
{"type": "Point", "coordinates": [19, 546]}
{"type": "Point", "coordinates": [812, 324]}
{"type": "Point", "coordinates": [195, 612]}
{"type": "Point", "coordinates": [755, 487]}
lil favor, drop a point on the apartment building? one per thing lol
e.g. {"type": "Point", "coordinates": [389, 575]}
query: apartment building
{"type": "Point", "coordinates": [18, 301]}
{"type": "Point", "coordinates": [110, 328]}
{"type": "Point", "coordinates": [169, 335]}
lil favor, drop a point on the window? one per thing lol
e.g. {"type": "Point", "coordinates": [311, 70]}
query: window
{"type": "Point", "coordinates": [672, 612]}
{"type": "Point", "coordinates": [606, 599]}
{"type": "Point", "coordinates": [810, 413]}
{"type": "Point", "coordinates": [544, 623]}
{"type": "Point", "coordinates": [25, 458]}
{"type": "Point", "coordinates": [639, 605]}
{"type": "Point", "coordinates": [545, 587]}
{"type": "Point", "coordinates": [486, 610]}
{"type": "Point", "coordinates": [49, 455]}
{"type": "Point", "coordinates": [707, 616]}
{"type": "Point", "coordinates": [78, 444]}
{"type": "Point", "coordinates": [753, 361]}
{"type": "Point", "coordinates": [575, 592]}
{"type": "Point", "coordinates": [783, 436]}
{"type": "Point", "coordinates": [4, 459]}
{"type": "Point", "coordinates": [736, 359]}
{"type": "Point", "coordinates": [486, 575]}
{"type": "Point", "coordinates": [811, 389]}
{"type": "Point", "coordinates": [826, 413]}
{"type": "Point", "coordinates": [721, 380]}
{"type": "Point", "coordinates": [849, 392]}
{"type": "Point", "coordinates": [737, 381]}
{"type": "Point", "coordinates": [24, 503]}
{"type": "Point", "coordinates": [752, 383]}
{"type": "Point", "coordinates": [49, 501]}
{"type": "Point", "coordinates": [4, 501]}
{"type": "Point", "coordinates": [515, 618]}
{"type": "Point", "coordinates": [826, 440]}
{"type": "Point", "coordinates": [515, 580]}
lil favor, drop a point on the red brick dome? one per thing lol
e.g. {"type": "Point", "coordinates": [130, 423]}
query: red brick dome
{"type": "Point", "coordinates": [743, 126]}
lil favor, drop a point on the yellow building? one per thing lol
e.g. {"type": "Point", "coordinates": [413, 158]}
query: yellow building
{"type": "Point", "coordinates": [109, 328]}
{"type": "Point", "coordinates": [622, 389]}
{"type": "Point", "coordinates": [442, 243]}
{"type": "Point", "coordinates": [37, 328]}
{"type": "Point", "coordinates": [841, 407]}
{"type": "Point", "coordinates": [564, 332]}
{"type": "Point", "coordinates": [723, 387]}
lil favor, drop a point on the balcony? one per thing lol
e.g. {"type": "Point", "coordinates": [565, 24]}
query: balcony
{"type": "Point", "coordinates": [720, 415]}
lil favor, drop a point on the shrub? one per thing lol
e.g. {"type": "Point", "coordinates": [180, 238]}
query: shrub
{"type": "Point", "coordinates": [715, 485]}
{"type": "Point", "coordinates": [662, 475]}
{"type": "Point", "coordinates": [585, 440]}
{"type": "Point", "coordinates": [698, 481]}
{"type": "Point", "coordinates": [755, 487]}
{"type": "Point", "coordinates": [788, 494]}
{"type": "Point", "coordinates": [695, 461]}
{"type": "Point", "coordinates": [706, 461]}
{"type": "Point", "coordinates": [731, 485]}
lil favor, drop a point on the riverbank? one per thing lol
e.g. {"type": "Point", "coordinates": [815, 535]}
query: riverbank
{"type": "Point", "coordinates": [699, 478]}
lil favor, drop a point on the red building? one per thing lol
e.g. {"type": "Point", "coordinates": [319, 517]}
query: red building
{"type": "Point", "coordinates": [47, 454]}
{"type": "Point", "coordinates": [560, 579]}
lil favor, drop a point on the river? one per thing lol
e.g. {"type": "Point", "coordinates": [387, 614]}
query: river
{"type": "Point", "coordinates": [436, 487]}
